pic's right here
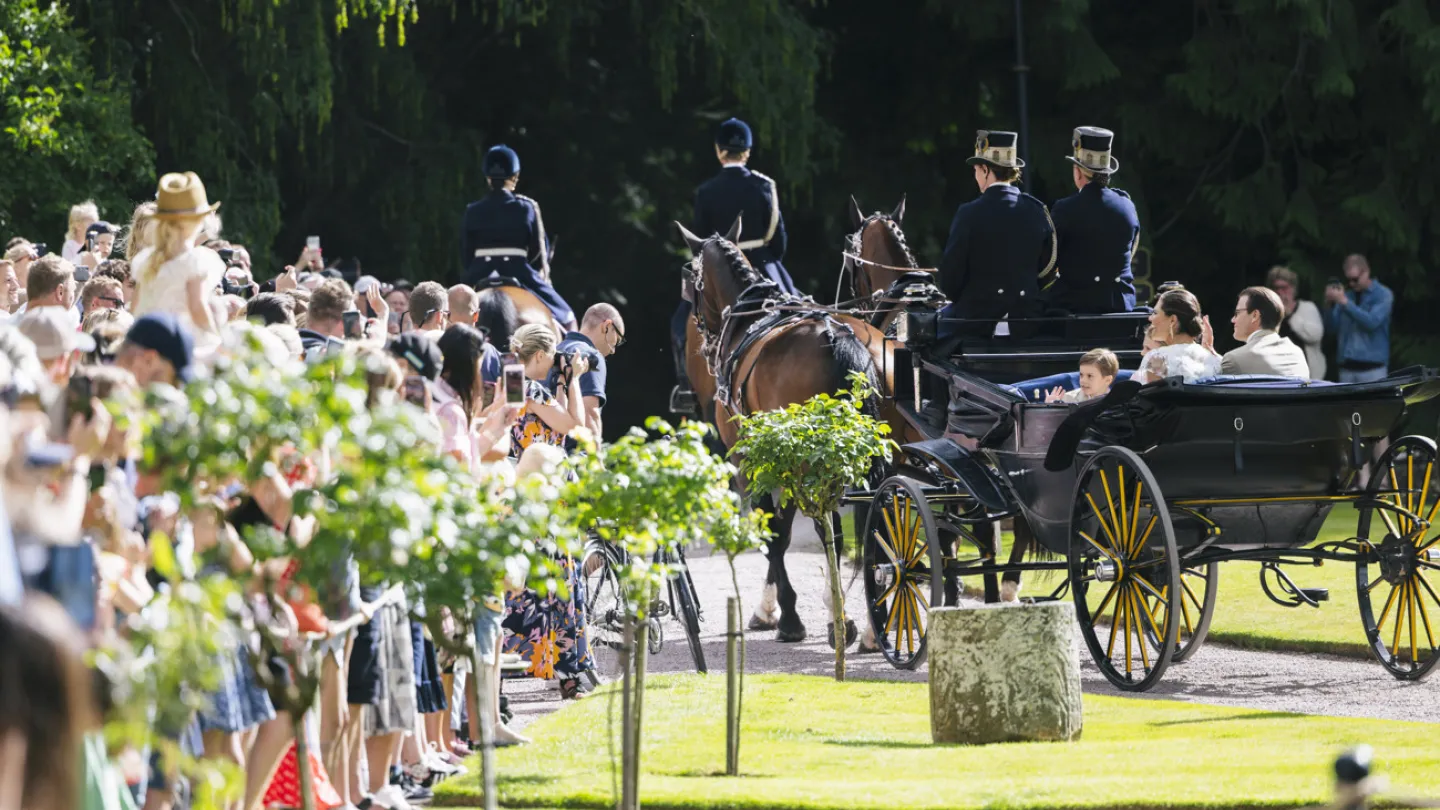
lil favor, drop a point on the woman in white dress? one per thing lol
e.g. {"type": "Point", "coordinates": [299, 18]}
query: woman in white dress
{"type": "Point", "coordinates": [171, 273]}
{"type": "Point", "coordinates": [1178, 324]}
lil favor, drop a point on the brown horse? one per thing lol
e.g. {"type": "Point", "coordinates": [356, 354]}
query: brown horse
{"type": "Point", "coordinates": [878, 256]}
{"type": "Point", "coordinates": [811, 353]}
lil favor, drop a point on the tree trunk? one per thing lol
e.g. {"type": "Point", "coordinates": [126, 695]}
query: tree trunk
{"type": "Point", "coordinates": [642, 634]}
{"type": "Point", "coordinates": [481, 676]}
{"type": "Point", "coordinates": [740, 640]}
{"type": "Point", "coordinates": [837, 596]}
{"type": "Point", "coordinates": [302, 762]}
{"type": "Point", "coordinates": [732, 690]}
{"type": "Point", "coordinates": [628, 753]}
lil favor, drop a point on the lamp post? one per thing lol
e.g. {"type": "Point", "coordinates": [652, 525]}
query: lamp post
{"type": "Point", "coordinates": [1021, 69]}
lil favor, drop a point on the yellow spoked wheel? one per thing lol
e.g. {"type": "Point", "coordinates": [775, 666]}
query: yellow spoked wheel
{"type": "Point", "coordinates": [1199, 587]}
{"type": "Point", "coordinates": [1397, 575]}
{"type": "Point", "coordinates": [1122, 558]}
{"type": "Point", "coordinates": [903, 570]}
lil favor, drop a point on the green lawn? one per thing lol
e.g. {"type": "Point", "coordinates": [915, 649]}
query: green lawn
{"type": "Point", "coordinates": [813, 743]}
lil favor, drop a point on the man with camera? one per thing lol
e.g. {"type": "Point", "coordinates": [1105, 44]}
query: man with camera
{"type": "Point", "coordinates": [602, 331]}
{"type": "Point", "coordinates": [1359, 317]}
{"type": "Point", "coordinates": [325, 324]}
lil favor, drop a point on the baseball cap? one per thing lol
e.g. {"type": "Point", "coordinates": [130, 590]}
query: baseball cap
{"type": "Point", "coordinates": [52, 330]}
{"type": "Point", "coordinates": [364, 283]}
{"type": "Point", "coordinates": [419, 351]}
{"type": "Point", "coordinates": [163, 334]}
{"type": "Point", "coordinates": [101, 227]}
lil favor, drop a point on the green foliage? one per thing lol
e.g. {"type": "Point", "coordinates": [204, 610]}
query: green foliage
{"type": "Point", "coordinates": [648, 495]}
{"type": "Point", "coordinates": [66, 133]}
{"type": "Point", "coordinates": [812, 450]}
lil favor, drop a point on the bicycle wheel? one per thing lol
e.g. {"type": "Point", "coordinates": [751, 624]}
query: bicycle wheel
{"type": "Point", "coordinates": [604, 610]}
{"type": "Point", "coordinates": [687, 612]}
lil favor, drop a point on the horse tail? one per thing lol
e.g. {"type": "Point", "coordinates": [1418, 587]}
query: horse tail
{"type": "Point", "coordinates": [499, 317]}
{"type": "Point", "coordinates": [850, 355]}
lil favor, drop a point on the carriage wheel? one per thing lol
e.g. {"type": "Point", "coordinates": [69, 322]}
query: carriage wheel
{"type": "Point", "coordinates": [1399, 567]}
{"type": "Point", "coordinates": [902, 566]}
{"type": "Point", "coordinates": [1122, 553]}
{"type": "Point", "coordinates": [1200, 584]}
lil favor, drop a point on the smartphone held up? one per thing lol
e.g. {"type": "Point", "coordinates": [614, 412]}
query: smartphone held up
{"type": "Point", "coordinates": [513, 375]}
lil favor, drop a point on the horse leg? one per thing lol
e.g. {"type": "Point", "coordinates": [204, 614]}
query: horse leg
{"type": "Point", "coordinates": [790, 627]}
{"type": "Point", "coordinates": [988, 534]}
{"type": "Point", "coordinates": [767, 611]}
{"type": "Point", "coordinates": [1010, 586]}
{"type": "Point", "coordinates": [838, 531]}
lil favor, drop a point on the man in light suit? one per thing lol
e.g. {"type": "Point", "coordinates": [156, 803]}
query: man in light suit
{"type": "Point", "coordinates": [1257, 315]}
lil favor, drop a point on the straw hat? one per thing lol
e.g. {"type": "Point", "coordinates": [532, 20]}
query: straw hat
{"type": "Point", "coordinates": [182, 196]}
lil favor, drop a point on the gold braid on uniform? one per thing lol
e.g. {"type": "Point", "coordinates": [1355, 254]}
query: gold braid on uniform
{"type": "Point", "coordinates": [1047, 277]}
{"type": "Point", "coordinates": [774, 206]}
{"type": "Point", "coordinates": [544, 243]}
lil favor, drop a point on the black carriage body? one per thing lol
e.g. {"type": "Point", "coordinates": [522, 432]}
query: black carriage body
{"type": "Point", "coordinates": [1262, 460]}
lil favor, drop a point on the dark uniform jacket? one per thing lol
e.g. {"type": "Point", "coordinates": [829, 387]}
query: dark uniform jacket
{"type": "Point", "coordinates": [1000, 243]}
{"type": "Point", "coordinates": [736, 190]}
{"type": "Point", "coordinates": [1097, 231]}
{"type": "Point", "coordinates": [503, 233]}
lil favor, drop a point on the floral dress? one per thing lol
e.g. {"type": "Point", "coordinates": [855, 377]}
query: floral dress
{"type": "Point", "coordinates": [530, 428]}
{"type": "Point", "coordinates": [549, 632]}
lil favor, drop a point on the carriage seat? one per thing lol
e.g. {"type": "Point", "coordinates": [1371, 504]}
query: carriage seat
{"type": "Point", "coordinates": [1261, 381]}
{"type": "Point", "coordinates": [955, 463]}
{"type": "Point", "coordinates": [1034, 390]}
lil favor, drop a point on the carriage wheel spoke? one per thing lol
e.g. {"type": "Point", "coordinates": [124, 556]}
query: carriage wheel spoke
{"type": "Point", "coordinates": [1100, 611]}
{"type": "Point", "coordinates": [912, 536]}
{"type": "Point", "coordinates": [920, 595]}
{"type": "Point", "coordinates": [1099, 547]}
{"type": "Point", "coordinates": [1410, 589]}
{"type": "Point", "coordinates": [1389, 603]}
{"type": "Point", "coordinates": [1147, 585]}
{"type": "Point", "coordinates": [1135, 510]}
{"type": "Point", "coordinates": [1389, 524]}
{"type": "Point", "coordinates": [1425, 612]}
{"type": "Point", "coordinates": [1122, 524]}
{"type": "Point", "coordinates": [1105, 525]}
{"type": "Point", "coordinates": [1140, 629]}
{"type": "Point", "coordinates": [894, 614]}
{"type": "Point", "coordinates": [885, 547]}
{"type": "Point", "coordinates": [1114, 624]}
{"type": "Point", "coordinates": [1399, 620]}
{"type": "Point", "coordinates": [1140, 544]}
{"type": "Point", "coordinates": [1129, 615]}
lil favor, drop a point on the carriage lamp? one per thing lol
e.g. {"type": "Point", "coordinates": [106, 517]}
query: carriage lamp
{"type": "Point", "coordinates": [1107, 571]}
{"type": "Point", "coordinates": [902, 327]}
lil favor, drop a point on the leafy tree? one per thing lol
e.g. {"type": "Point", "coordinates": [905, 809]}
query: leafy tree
{"type": "Point", "coordinates": [809, 453]}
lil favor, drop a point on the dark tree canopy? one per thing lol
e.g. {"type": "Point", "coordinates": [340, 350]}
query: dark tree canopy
{"type": "Point", "coordinates": [1250, 132]}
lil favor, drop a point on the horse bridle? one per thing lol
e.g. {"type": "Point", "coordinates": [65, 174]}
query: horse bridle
{"type": "Point", "coordinates": [850, 258]}
{"type": "Point", "coordinates": [693, 285]}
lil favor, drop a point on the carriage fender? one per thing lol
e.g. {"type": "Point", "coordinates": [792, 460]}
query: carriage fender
{"type": "Point", "coordinates": [958, 464]}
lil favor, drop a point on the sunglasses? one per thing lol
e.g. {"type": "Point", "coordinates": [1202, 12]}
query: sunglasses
{"type": "Point", "coordinates": [619, 336]}
{"type": "Point", "coordinates": [119, 302]}
{"type": "Point", "coordinates": [443, 312]}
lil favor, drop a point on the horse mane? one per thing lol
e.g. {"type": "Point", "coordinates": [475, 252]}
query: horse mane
{"type": "Point", "coordinates": [735, 260]}
{"type": "Point", "coordinates": [899, 236]}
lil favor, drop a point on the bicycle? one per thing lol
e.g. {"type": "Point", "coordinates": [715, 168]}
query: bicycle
{"type": "Point", "coordinates": [605, 607]}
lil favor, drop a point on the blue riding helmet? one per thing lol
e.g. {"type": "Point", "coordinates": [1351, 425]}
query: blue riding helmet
{"type": "Point", "coordinates": [734, 135]}
{"type": "Point", "coordinates": [501, 162]}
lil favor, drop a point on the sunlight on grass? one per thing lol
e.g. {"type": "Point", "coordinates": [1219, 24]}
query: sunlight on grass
{"type": "Point", "coordinates": [812, 743]}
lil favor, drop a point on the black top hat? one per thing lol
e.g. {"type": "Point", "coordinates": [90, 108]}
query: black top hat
{"type": "Point", "coordinates": [996, 149]}
{"type": "Point", "coordinates": [1090, 147]}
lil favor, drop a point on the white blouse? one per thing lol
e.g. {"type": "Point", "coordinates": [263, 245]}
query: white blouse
{"type": "Point", "coordinates": [1190, 361]}
{"type": "Point", "coordinates": [165, 289]}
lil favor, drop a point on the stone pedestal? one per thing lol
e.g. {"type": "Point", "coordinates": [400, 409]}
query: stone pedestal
{"type": "Point", "coordinates": [1004, 673]}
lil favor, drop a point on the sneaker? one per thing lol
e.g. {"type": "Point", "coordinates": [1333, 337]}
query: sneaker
{"type": "Point", "coordinates": [418, 773]}
{"type": "Point", "coordinates": [415, 791]}
{"type": "Point", "coordinates": [435, 764]}
{"type": "Point", "coordinates": [390, 797]}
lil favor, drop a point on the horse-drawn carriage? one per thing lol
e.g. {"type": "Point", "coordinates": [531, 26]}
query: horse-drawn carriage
{"type": "Point", "coordinates": [1139, 497]}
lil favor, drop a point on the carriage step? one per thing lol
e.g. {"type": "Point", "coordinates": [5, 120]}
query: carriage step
{"type": "Point", "coordinates": [1316, 594]}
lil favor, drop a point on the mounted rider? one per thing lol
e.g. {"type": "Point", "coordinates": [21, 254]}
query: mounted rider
{"type": "Point", "coordinates": [736, 190]}
{"type": "Point", "coordinates": [1097, 230]}
{"type": "Point", "coordinates": [1001, 243]}
{"type": "Point", "coordinates": [503, 235]}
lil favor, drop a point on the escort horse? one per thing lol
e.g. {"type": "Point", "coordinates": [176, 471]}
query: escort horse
{"type": "Point", "coordinates": [751, 349]}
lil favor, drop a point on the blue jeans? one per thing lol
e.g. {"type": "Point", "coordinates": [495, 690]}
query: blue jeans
{"type": "Point", "coordinates": [1364, 375]}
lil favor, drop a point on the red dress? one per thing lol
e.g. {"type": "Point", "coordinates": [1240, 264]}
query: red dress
{"type": "Point", "coordinates": [284, 790]}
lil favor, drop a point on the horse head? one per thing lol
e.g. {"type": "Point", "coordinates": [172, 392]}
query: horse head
{"type": "Point", "coordinates": [880, 245]}
{"type": "Point", "coordinates": [717, 274]}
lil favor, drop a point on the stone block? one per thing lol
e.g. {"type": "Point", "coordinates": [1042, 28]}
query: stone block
{"type": "Point", "coordinates": [1004, 673]}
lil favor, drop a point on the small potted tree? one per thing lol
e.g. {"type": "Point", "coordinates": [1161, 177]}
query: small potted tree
{"type": "Point", "coordinates": [809, 453]}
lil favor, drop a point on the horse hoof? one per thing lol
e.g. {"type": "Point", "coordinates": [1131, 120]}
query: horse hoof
{"type": "Point", "coordinates": [850, 633]}
{"type": "Point", "coordinates": [867, 649]}
{"type": "Point", "coordinates": [1009, 591]}
{"type": "Point", "coordinates": [757, 623]}
{"type": "Point", "coordinates": [790, 635]}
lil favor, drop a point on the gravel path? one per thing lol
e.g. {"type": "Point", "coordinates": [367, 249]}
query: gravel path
{"type": "Point", "coordinates": [1267, 681]}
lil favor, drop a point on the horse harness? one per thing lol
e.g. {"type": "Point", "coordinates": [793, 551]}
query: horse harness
{"type": "Point", "coordinates": [770, 313]}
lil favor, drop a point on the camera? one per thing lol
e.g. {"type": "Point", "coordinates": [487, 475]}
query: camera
{"type": "Point", "coordinates": [565, 363]}
{"type": "Point", "coordinates": [227, 255]}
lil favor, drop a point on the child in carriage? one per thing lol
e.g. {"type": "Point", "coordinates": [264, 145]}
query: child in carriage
{"type": "Point", "coordinates": [1098, 368]}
